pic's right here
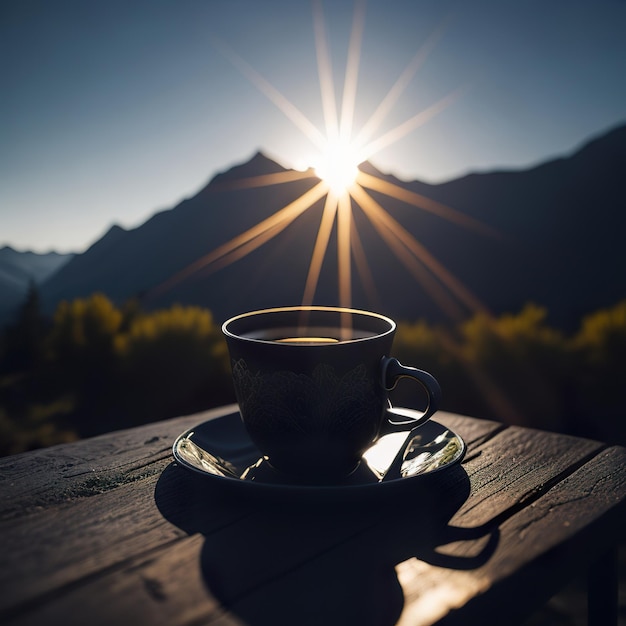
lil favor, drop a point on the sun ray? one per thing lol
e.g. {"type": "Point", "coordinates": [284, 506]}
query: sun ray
{"type": "Point", "coordinates": [266, 88]}
{"type": "Point", "coordinates": [411, 124]}
{"type": "Point", "coordinates": [414, 265]}
{"type": "Point", "coordinates": [264, 180]}
{"type": "Point", "coordinates": [376, 212]}
{"type": "Point", "coordinates": [363, 268]}
{"type": "Point", "coordinates": [348, 104]}
{"type": "Point", "coordinates": [424, 203]}
{"type": "Point", "coordinates": [393, 95]}
{"type": "Point", "coordinates": [344, 220]}
{"type": "Point", "coordinates": [230, 257]}
{"type": "Point", "coordinates": [321, 246]}
{"type": "Point", "coordinates": [325, 70]}
{"type": "Point", "coordinates": [284, 216]}
{"type": "Point", "coordinates": [500, 402]}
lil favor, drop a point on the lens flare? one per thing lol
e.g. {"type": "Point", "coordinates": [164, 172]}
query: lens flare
{"type": "Point", "coordinates": [341, 149]}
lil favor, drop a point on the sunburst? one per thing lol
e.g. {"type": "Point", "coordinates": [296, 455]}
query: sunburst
{"type": "Point", "coordinates": [345, 187]}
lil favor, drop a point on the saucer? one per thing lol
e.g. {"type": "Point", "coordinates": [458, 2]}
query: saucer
{"type": "Point", "coordinates": [221, 451]}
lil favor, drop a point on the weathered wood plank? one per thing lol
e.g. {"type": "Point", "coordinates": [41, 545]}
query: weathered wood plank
{"type": "Point", "coordinates": [246, 555]}
{"type": "Point", "coordinates": [473, 429]}
{"type": "Point", "coordinates": [108, 512]}
{"type": "Point", "coordinates": [80, 539]}
{"type": "Point", "coordinates": [509, 569]}
{"type": "Point", "coordinates": [399, 570]}
{"type": "Point", "coordinates": [264, 542]}
{"type": "Point", "coordinates": [110, 521]}
{"type": "Point", "coordinates": [516, 466]}
{"type": "Point", "coordinates": [167, 588]}
{"type": "Point", "coordinates": [46, 477]}
{"type": "Point", "coordinates": [48, 552]}
{"type": "Point", "coordinates": [435, 582]}
{"type": "Point", "coordinates": [539, 547]}
{"type": "Point", "coordinates": [233, 563]}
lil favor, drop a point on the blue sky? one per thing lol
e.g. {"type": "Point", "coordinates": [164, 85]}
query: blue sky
{"type": "Point", "coordinates": [111, 111]}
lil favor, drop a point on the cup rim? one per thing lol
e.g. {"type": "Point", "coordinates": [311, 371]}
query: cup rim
{"type": "Point", "coordinates": [334, 309]}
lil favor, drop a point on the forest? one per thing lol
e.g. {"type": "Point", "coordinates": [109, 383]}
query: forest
{"type": "Point", "coordinates": [95, 367]}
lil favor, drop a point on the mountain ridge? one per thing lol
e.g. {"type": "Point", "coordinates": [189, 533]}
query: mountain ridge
{"type": "Point", "coordinates": [558, 223]}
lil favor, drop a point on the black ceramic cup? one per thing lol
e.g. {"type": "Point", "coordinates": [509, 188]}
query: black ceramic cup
{"type": "Point", "coordinates": [312, 385]}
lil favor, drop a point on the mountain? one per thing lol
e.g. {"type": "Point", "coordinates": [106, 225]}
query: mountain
{"type": "Point", "coordinates": [18, 269]}
{"type": "Point", "coordinates": [550, 234]}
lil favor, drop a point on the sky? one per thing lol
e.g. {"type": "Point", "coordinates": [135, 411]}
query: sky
{"type": "Point", "coordinates": [112, 111]}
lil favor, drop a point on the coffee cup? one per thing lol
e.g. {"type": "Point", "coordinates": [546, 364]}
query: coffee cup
{"type": "Point", "coordinates": [312, 385]}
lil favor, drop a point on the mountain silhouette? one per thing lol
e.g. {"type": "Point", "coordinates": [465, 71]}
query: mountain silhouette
{"type": "Point", "coordinates": [18, 269]}
{"type": "Point", "coordinates": [553, 235]}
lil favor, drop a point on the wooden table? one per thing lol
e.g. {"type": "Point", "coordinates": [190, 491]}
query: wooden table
{"type": "Point", "coordinates": [111, 531]}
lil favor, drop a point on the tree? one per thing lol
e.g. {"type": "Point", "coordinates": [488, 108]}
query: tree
{"type": "Point", "coordinates": [599, 351]}
{"type": "Point", "coordinates": [24, 340]}
{"type": "Point", "coordinates": [522, 364]}
{"type": "Point", "coordinates": [82, 346]}
{"type": "Point", "coordinates": [173, 361]}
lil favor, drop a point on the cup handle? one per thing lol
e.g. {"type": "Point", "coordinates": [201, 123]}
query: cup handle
{"type": "Point", "coordinates": [392, 372]}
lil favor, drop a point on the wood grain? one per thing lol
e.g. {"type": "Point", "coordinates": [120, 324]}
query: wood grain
{"type": "Point", "coordinates": [43, 478]}
{"type": "Point", "coordinates": [112, 529]}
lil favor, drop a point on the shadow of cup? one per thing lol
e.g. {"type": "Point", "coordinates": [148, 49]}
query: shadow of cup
{"type": "Point", "coordinates": [313, 563]}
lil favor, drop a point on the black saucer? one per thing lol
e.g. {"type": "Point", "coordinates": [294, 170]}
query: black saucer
{"type": "Point", "coordinates": [221, 450]}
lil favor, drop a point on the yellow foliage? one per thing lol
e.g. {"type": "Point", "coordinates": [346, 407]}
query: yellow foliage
{"type": "Point", "coordinates": [176, 334]}
{"type": "Point", "coordinates": [111, 368]}
{"type": "Point", "coordinates": [173, 361]}
{"type": "Point", "coordinates": [84, 322]}
{"type": "Point", "coordinates": [417, 334]}
{"type": "Point", "coordinates": [603, 329]}
{"type": "Point", "coordinates": [420, 345]}
{"type": "Point", "coordinates": [517, 335]}
{"type": "Point", "coordinates": [177, 321]}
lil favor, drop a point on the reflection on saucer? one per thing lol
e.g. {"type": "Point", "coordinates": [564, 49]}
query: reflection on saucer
{"type": "Point", "coordinates": [422, 457]}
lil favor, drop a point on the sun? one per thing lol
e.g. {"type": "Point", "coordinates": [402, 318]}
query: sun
{"type": "Point", "coordinates": [347, 190]}
{"type": "Point", "coordinates": [337, 166]}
